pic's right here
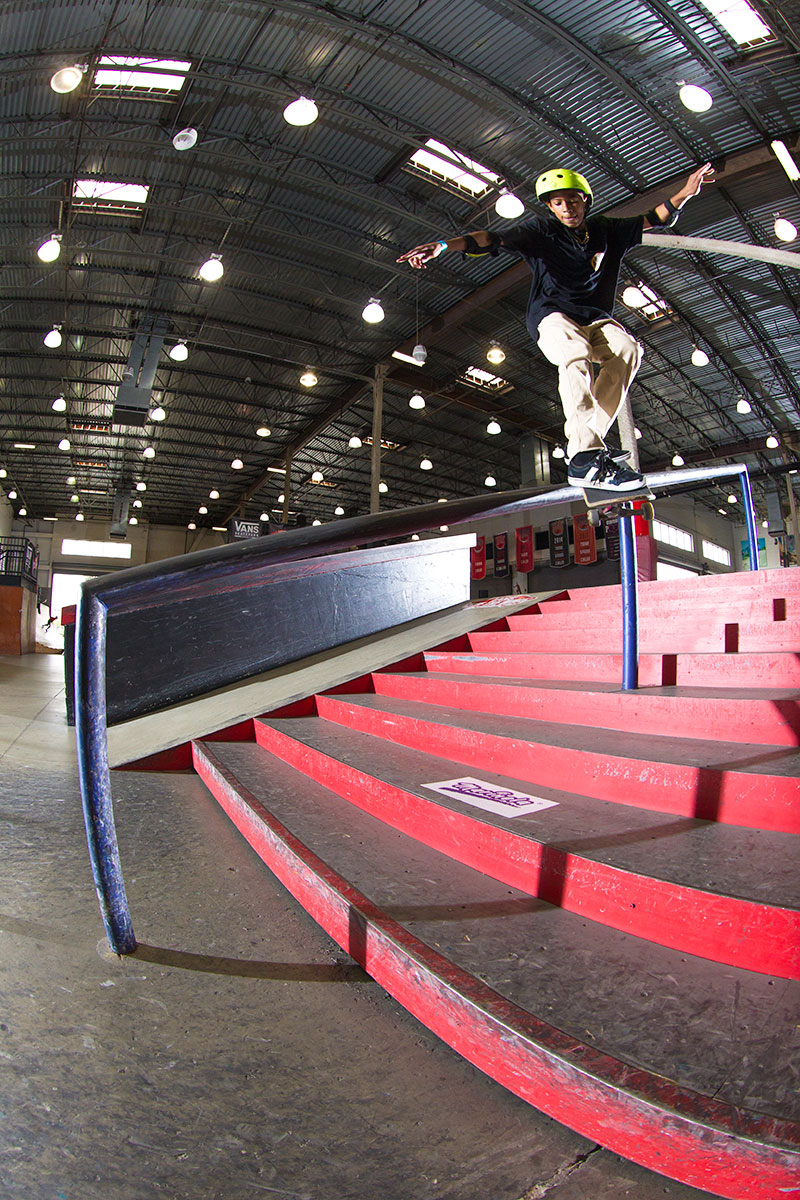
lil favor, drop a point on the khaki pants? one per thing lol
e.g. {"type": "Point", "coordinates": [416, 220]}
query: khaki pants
{"type": "Point", "coordinates": [590, 402]}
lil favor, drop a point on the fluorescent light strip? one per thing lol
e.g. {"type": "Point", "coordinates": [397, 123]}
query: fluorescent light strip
{"type": "Point", "coordinates": [784, 157]}
{"type": "Point", "coordinates": [406, 358]}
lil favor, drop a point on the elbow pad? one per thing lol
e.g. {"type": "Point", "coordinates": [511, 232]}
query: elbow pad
{"type": "Point", "coordinates": [472, 249]}
{"type": "Point", "coordinates": [673, 212]}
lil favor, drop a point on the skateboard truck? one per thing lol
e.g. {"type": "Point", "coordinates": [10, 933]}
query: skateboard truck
{"type": "Point", "coordinates": [600, 503]}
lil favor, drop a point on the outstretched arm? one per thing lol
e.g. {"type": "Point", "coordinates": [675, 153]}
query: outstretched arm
{"type": "Point", "coordinates": [423, 254]}
{"type": "Point", "coordinates": [667, 212]}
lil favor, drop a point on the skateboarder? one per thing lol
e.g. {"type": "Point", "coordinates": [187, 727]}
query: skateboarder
{"type": "Point", "coordinates": [576, 259]}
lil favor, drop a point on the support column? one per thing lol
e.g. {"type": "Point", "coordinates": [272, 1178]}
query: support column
{"type": "Point", "coordinates": [377, 426]}
{"type": "Point", "coordinates": [287, 492]}
{"type": "Point", "coordinates": [534, 461]}
{"type": "Point", "coordinates": [793, 526]}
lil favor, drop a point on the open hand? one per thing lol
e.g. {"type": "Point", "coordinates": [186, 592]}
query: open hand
{"type": "Point", "coordinates": [704, 174]}
{"type": "Point", "coordinates": [421, 254]}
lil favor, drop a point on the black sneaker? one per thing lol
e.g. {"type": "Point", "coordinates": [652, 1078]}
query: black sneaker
{"type": "Point", "coordinates": [601, 472]}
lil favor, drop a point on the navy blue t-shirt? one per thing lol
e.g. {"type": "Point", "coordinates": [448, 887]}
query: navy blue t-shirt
{"type": "Point", "coordinates": [580, 281]}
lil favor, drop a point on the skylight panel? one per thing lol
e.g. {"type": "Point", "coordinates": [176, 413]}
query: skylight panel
{"type": "Point", "coordinates": [451, 169]}
{"type": "Point", "coordinates": [152, 75]}
{"type": "Point", "coordinates": [485, 380]}
{"type": "Point", "coordinates": [739, 20]}
{"type": "Point", "coordinates": [124, 199]}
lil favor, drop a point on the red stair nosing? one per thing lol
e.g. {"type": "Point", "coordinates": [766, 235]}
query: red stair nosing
{"type": "Point", "coordinates": [759, 937]}
{"type": "Point", "coordinates": [655, 637]}
{"type": "Point", "coordinates": [753, 801]}
{"type": "Point", "coordinates": [689, 1137]}
{"type": "Point", "coordinates": [766, 669]}
{"type": "Point", "coordinates": [771, 722]}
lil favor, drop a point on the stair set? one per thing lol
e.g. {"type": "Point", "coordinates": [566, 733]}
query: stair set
{"type": "Point", "coordinates": [590, 894]}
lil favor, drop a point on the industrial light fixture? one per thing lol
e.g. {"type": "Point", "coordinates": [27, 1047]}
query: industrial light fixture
{"type": "Point", "coordinates": [66, 79]}
{"type": "Point", "coordinates": [634, 297]}
{"type": "Point", "coordinates": [558, 452]}
{"type": "Point", "coordinates": [75, 498]}
{"type": "Point", "coordinates": [133, 520]}
{"type": "Point", "coordinates": [179, 352]}
{"type": "Point", "coordinates": [317, 477]}
{"type": "Point", "coordinates": [699, 357]}
{"type": "Point", "coordinates": [316, 521]}
{"type": "Point", "coordinates": [141, 487]}
{"type": "Point", "coordinates": [308, 378]}
{"type": "Point", "coordinates": [3, 473]}
{"type": "Point", "coordinates": [50, 249]}
{"type": "Point", "coordinates": [417, 401]}
{"type": "Point", "coordinates": [338, 511]}
{"type": "Point", "coordinates": [383, 487]}
{"type": "Point", "coordinates": [158, 413]}
{"type": "Point", "coordinates": [784, 230]}
{"type": "Point", "coordinates": [490, 481]}
{"type": "Point", "coordinates": [373, 311]}
{"type": "Point", "coordinates": [79, 516]}
{"type": "Point", "coordinates": [732, 499]}
{"type": "Point", "coordinates": [184, 139]}
{"type": "Point", "coordinates": [637, 433]}
{"type": "Point", "coordinates": [695, 98]}
{"type": "Point", "coordinates": [149, 452]}
{"type": "Point", "coordinates": [213, 494]}
{"type": "Point", "coordinates": [415, 537]}
{"type": "Point", "coordinates": [772, 442]}
{"type": "Point", "coordinates": [301, 111]}
{"type": "Point", "coordinates": [784, 157]}
{"type": "Point", "coordinates": [202, 510]}
{"type": "Point", "coordinates": [355, 442]}
{"type": "Point", "coordinates": [444, 528]}
{"type": "Point", "coordinates": [495, 354]}
{"type": "Point", "coordinates": [263, 431]}
{"type": "Point", "coordinates": [191, 525]}
{"type": "Point", "coordinates": [765, 524]}
{"type": "Point", "coordinates": [70, 481]}
{"type": "Point", "coordinates": [425, 464]}
{"type": "Point", "coordinates": [494, 426]}
{"type": "Point", "coordinates": [64, 444]}
{"type": "Point", "coordinates": [53, 339]}
{"type": "Point", "coordinates": [508, 205]}
{"type": "Point", "coordinates": [677, 460]}
{"type": "Point", "coordinates": [281, 498]}
{"type": "Point", "coordinates": [723, 512]}
{"type": "Point", "coordinates": [137, 504]}
{"type": "Point", "coordinates": [264, 516]}
{"type": "Point", "coordinates": [237, 464]}
{"type": "Point", "coordinates": [212, 269]}
{"type": "Point", "coordinates": [12, 495]}
{"type": "Point", "coordinates": [59, 404]}
{"type": "Point", "coordinates": [419, 354]}
{"type": "Point", "coordinates": [743, 406]}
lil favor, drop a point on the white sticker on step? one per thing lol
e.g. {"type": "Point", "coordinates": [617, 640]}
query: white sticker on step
{"type": "Point", "coordinates": [490, 796]}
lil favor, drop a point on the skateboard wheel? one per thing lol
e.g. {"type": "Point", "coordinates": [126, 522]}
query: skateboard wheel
{"type": "Point", "coordinates": [594, 517]}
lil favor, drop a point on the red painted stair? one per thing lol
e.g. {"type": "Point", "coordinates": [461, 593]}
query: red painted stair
{"type": "Point", "coordinates": [622, 957]}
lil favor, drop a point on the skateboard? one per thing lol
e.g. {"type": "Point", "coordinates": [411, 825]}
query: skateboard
{"type": "Point", "coordinates": [600, 503]}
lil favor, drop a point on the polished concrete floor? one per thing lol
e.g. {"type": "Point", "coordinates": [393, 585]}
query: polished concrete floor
{"type": "Point", "coordinates": [239, 1053]}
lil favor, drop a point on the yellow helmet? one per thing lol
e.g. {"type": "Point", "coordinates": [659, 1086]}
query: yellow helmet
{"type": "Point", "coordinates": [560, 180]}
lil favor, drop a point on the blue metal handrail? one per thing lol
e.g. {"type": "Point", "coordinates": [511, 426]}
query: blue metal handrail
{"type": "Point", "coordinates": [206, 571]}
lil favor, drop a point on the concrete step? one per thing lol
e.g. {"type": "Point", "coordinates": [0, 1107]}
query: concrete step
{"type": "Point", "coordinates": [764, 716]}
{"type": "Point", "coordinates": [728, 782]}
{"type": "Point", "coordinates": [755, 670]}
{"type": "Point", "coordinates": [778, 581]}
{"type": "Point", "coordinates": [725, 893]}
{"type": "Point", "coordinates": [681, 635]}
{"type": "Point", "coordinates": [631, 1045]}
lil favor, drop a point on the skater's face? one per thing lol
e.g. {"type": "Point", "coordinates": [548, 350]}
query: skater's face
{"type": "Point", "coordinates": [569, 206]}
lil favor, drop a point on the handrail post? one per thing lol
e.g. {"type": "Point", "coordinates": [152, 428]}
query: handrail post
{"type": "Point", "coordinates": [92, 746]}
{"type": "Point", "coordinates": [630, 604]}
{"type": "Point", "coordinates": [750, 518]}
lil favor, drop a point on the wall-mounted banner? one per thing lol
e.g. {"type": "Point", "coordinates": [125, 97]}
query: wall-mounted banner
{"type": "Point", "coordinates": [559, 544]}
{"type": "Point", "coordinates": [490, 796]}
{"type": "Point", "coordinates": [239, 530]}
{"type": "Point", "coordinates": [501, 554]}
{"type": "Point", "coordinates": [585, 540]}
{"type": "Point", "coordinates": [477, 559]}
{"type": "Point", "coordinates": [611, 532]}
{"type": "Point", "coordinates": [525, 548]}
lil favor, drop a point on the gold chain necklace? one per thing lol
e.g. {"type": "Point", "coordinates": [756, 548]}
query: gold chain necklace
{"type": "Point", "coordinates": [582, 240]}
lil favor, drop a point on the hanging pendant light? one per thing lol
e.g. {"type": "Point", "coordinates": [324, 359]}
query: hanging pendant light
{"type": "Point", "coordinates": [355, 442]}
{"type": "Point", "coordinates": [373, 311]}
{"type": "Point", "coordinates": [53, 339]}
{"type": "Point", "coordinates": [301, 111]}
{"type": "Point", "coordinates": [417, 401]}
{"type": "Point", "coordinates": [508, 205]}
{"type": "Point", "coordinates": [212, 269]}
{"type": "Point", "coordinates": [699, 357]}
{"type": "Point", "coordinates": [184, 139]}
{"type": "Point", "coordinates": [494, 426]}
{"type": "Point", "coordinates": [66, 79]}
{"type": "Point", "coordinates": [695, 98]}
{"type": "Point", "coordinates": [51, 248]}
{"type": "Point", "coordinates": [179, 352]}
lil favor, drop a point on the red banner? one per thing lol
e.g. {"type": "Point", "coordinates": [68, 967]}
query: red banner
{"type": "Point", "coordinates": [559, 544]}
{"type": "Point", "coordinates": [501, 554]}
{"type": "Point", "coordinates": [611, 532]}
{"type": "Point", "coordinates": [477, 558]}
{"type": "Point", "coordinates": [585, 540]}
{"type": "Point", "coordinates": [525, 548]}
